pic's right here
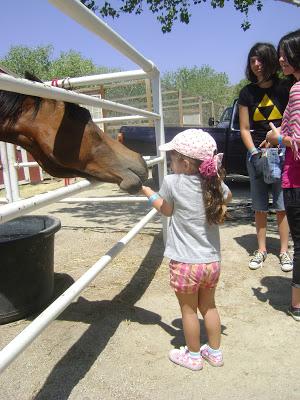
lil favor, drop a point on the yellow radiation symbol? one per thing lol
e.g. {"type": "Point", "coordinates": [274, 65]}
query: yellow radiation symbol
{"type": "Point", "coordinates": [266, 110]}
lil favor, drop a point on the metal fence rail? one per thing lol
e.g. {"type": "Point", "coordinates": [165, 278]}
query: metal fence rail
{"type": "Point", "coordinates": [16, 208]}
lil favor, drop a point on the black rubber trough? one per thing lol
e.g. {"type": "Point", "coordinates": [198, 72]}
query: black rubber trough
{"type": "Point", "coordinates": [26, 265]}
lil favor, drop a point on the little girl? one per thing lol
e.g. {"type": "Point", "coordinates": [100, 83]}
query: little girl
{"type": "Point", "coordinates": [195, 198]}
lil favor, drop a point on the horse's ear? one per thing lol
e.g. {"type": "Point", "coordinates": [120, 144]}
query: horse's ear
{"type": "Point", "coordinates": [32, 77]}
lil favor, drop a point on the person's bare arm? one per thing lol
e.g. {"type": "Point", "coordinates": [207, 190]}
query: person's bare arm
{"type": "Point", "coordinates": [228, 198]}
{"type": "Point", "coordinates": [245, 128]}
{"type": "Point", "coordinates": [273, 135]}
{"type": "Point", "coordinates": [159, 204]}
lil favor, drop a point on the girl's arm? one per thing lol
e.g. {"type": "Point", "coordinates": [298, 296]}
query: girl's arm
{"type": "Point", "coordinates": [227, 194]}
{"type": "Point", "coordinates": [158, 203]}
{"type": "Point", "coordinates": [228, 198]}
{"type": "Point", "coordinates": [245, 128]}
{"type": "Point", "coordinates": [274, 135]}
{"type": "Point", "coordinates": [291, 122]}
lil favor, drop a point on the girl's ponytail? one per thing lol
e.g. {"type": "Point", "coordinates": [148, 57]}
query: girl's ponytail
{"type": "Point", "coordinates": [214, 202]}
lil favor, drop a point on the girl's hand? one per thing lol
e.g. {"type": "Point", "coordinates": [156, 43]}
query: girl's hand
{"type": "Point", "coordinates": [147, 191]}
{"type": "Point", "coordinates": [264, 144]}
{"type": "Point", "coordinates": [272, 136]}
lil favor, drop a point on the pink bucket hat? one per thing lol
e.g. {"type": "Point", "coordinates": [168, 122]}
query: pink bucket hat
{"type": "Point", "coordinates": [197, 144]}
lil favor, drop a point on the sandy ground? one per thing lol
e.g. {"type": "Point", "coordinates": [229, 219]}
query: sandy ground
{"type": "Point", "coordinates": [113, 341]}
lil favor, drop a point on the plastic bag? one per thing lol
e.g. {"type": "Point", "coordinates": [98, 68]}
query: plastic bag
{"type": "Point", "coordinates": [273, 159]}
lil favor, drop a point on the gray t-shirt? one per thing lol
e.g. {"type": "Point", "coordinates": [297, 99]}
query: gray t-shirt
{"type": "Point", "coordinates": [190, 238]}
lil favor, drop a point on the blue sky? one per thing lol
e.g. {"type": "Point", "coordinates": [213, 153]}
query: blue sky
{"type": "Point", "coordinates": [213, 37]}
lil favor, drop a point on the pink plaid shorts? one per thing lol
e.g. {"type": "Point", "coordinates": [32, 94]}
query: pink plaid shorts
{"type": "Point", "coordinates": [188, 278]}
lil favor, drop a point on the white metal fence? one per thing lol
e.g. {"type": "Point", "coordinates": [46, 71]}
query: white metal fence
{"type": "Point", "coordinates": [17, 207]}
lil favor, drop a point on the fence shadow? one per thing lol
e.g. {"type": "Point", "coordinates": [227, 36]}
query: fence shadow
{"type": "Point", "coordinates": [103, 319]}
{"type": "Point", "coordinates": [105, 217]}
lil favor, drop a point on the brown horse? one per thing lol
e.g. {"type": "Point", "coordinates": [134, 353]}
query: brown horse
{"type": "Point", "coordinates": [65, 141]}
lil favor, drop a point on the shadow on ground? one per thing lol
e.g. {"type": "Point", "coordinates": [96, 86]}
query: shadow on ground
{"type": "Point", "coordinates": [103, 318]}
{"type": "Point", "coordinates": [249, 243]}
{"type": "Point", "coordinates": [179, 340]}
{"type": "Point", "coordinates": [276, 290]}
{"type": "Point", "coordinates": [106, 217]}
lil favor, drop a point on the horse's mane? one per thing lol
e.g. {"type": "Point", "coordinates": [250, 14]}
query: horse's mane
{"type": "Point", "coordinates": [11, 104]}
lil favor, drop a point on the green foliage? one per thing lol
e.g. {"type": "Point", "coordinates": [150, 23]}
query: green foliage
{"type": "Point", "coordinates": [35, 60]}
{"type": "Point", "coordinates": [39, 62]}
{"type": "Point", "coordinates": [204, 82]}
{"type": "Point", "coordinates": [131, 90]}
{"type": "Point", "coordinates": [198, 82]}
{"type": "Point", "coordinates": [237, 88]}
{"type": "Point", "coordinates": [71, 64]}
{"type": "Point", "coordinates": [169, 11]}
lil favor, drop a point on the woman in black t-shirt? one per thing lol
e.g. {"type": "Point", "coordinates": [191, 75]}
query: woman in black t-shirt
{"type": "Point", "coordinates": [261, 102]}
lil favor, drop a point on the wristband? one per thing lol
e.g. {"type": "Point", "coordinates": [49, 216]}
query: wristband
{"type": "Point", "coordinates": [152, 198]}
{"type": "Point", "coordinates": [252, 152]}
{"type": "Point", "coordinates": [280, 137]}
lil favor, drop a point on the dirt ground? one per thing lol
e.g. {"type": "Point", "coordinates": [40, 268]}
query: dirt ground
{"type": "Point", "coordinates": [112, 343]}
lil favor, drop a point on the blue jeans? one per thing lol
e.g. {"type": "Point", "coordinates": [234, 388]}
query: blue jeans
{"type": "Point", "coordinates": [292, 206]}
{"type": "Point", "coordinates": [260, 190]}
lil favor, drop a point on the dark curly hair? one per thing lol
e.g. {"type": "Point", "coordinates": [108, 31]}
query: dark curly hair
{"type": "Point", "coordinates": [267, 55]}
{"type": "Point", "coordinates": [290, 44]}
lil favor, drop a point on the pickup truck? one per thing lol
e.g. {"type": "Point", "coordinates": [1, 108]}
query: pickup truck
{"type": "Point", "coordinates": [225, 118]}
{"type": "Point", "coordinates": [142, 140]}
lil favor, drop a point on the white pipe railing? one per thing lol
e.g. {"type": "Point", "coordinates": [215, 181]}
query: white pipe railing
{"type": "Point", "coordinates": [100, 79]}
{"type": "Point", "coordinates": [24, 86]}
{"type": "Point", "coordinates": [26, 337]}
{"type": "Point", "coordinates": [21, 207]}
{"type": "Point", "coordinates": [156, 160]}
{"type": "Point", "coordinates": [17, 208]}
{"type": "Point", "coordinates": [86, 18]}
{"type": "Point", "coordinates": [30, 164]}
{"type": "Point", "coordinates": [111, 199]}
{"type": "Point", "coordinates": [160, 138]}
{"type": "Point", "coordinates": [82, 15]}
{"type": "Point", "coordinates": [11, 155]}
{"type": "Point", "coordinates": [119, 119]}
{"type": "Point", "coordinates": [26, 164]}
{"type": "Point", "coordinates": [14, 209]}
{"type": "Point", "coordinates": [5, 171]}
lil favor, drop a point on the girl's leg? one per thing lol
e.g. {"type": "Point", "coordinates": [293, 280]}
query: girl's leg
{"type": "Point", "coordinates": [211, 352]}
{"type": "Point", "coordinates": [260, 202]}
{"type": "Point", "coordinates": [296, 297]}
{"type": "Point", "coordinates": [292, 207]}
{"type": "Point", "coordinates": [261, 229]}
{"type": "Point", "coordinates": [283, 229]}
{"type": "Point", "coordinates": [207, 307]}
{"type": "Point", "coordinates": [191, 328]}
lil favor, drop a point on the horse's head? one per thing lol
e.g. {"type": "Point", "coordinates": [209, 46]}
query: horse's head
{"type": "Point", "coordinates": [66, 142]}
{"type": "Point", "coordinates": [82, 146]}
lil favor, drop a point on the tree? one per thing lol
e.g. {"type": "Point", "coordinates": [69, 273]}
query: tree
{"type": "Point", "coordinates": [203, 81]}
{"type": "Point", "coordinates": [239, 86]}
{"type": "Point", "coordinates": [35, 60]}
{"type": "Point", "coordinates": [168, 11]}
{"type": "Point", "coordinates": [39, 61]}
{"type": "Point", "coordinates": [71, 64]}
